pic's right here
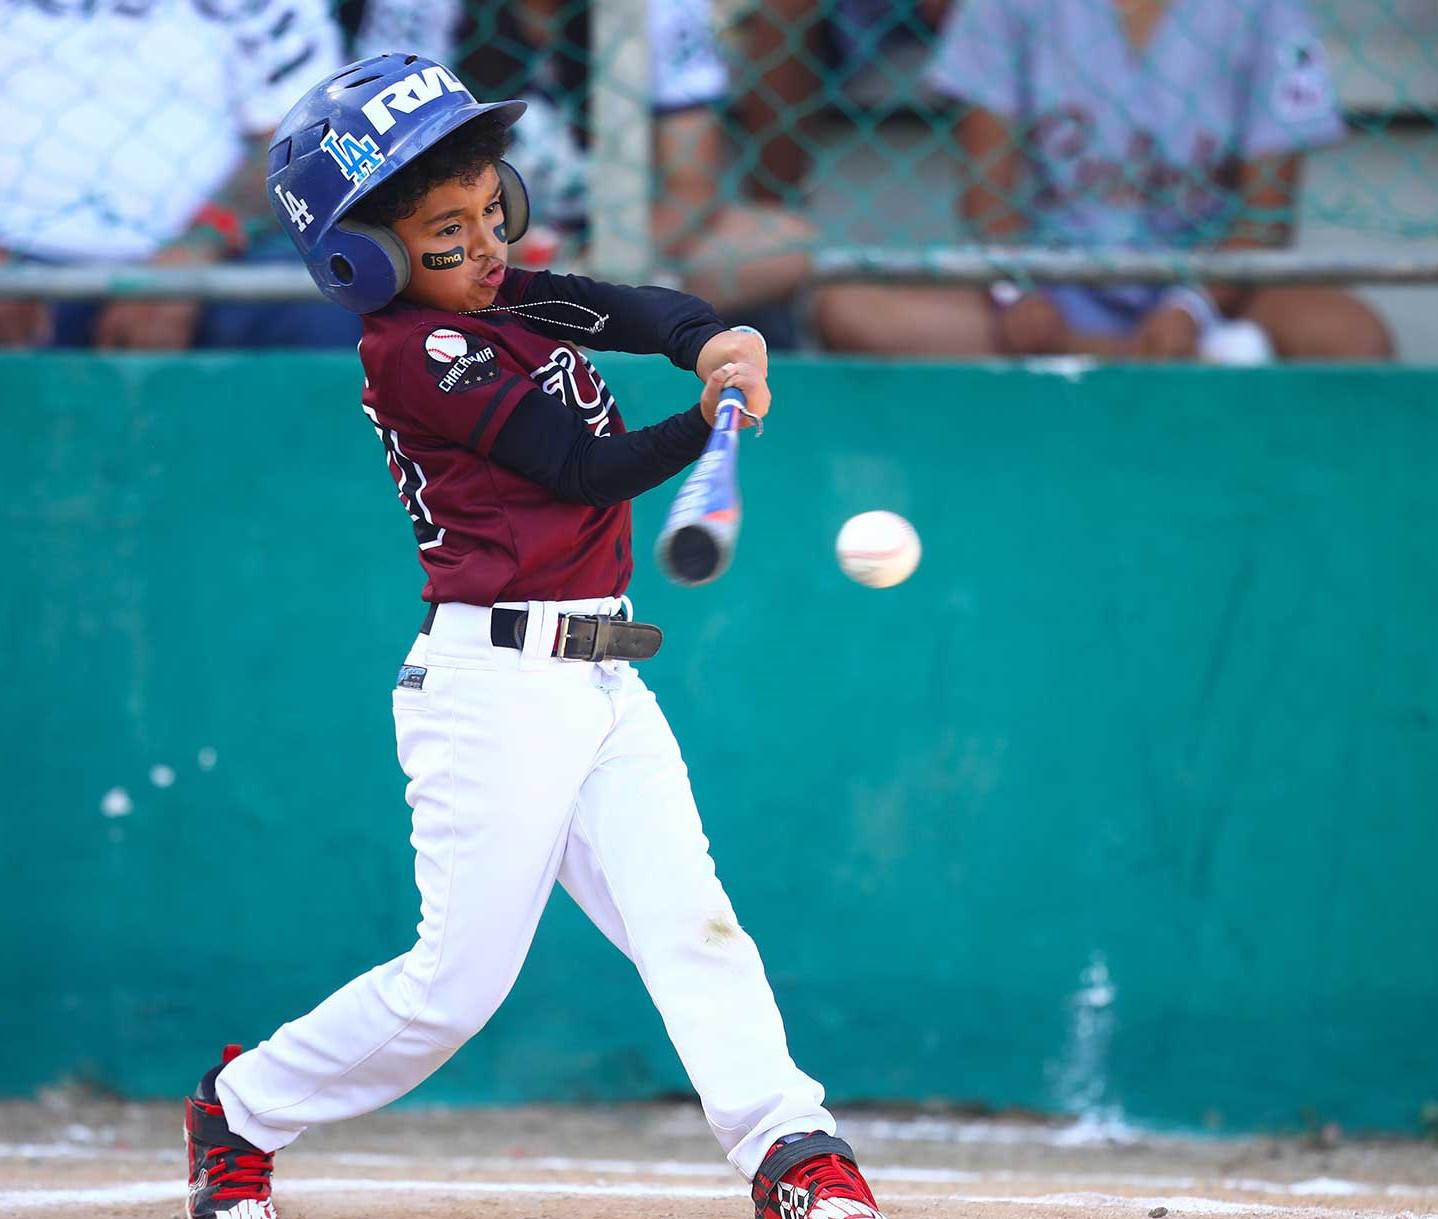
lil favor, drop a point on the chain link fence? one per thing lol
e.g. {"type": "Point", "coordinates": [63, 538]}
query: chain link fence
{"type": "Point", "coordinates": [748, 148]}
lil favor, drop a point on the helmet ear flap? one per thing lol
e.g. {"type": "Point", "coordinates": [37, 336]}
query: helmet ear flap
{"type": "Point", "coordinates": [367, 266]}
{"type": "Point", "coordinates": [514, 198]}
{"type": "Point", "coordinates": [389, 245]}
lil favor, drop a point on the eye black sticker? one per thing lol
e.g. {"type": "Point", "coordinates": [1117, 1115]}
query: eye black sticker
{"type": "Point", "coordinates": [445, 261]}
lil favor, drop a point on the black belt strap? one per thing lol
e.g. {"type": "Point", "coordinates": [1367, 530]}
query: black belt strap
{"type": "Point", "coordinates": [580, 636]}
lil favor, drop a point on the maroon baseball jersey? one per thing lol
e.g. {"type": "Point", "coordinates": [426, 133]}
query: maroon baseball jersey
{"type": "Point", "coordinates": [440, 386]}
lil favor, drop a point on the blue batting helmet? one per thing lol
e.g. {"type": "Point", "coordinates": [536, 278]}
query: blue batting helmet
{"type": "Point", "coordinates": [348, 134]}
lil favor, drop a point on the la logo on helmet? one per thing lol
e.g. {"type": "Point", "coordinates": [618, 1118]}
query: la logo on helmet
{"type": "Point", "coordinates": [408, 95]}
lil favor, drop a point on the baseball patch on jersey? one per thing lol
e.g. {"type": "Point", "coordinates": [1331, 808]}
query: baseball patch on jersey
{"type": "Point", "coordinates": [459, 361]}
{"type": "Point", "coordinates": [411, 677]}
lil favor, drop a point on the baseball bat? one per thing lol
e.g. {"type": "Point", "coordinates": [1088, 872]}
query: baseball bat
{"type": "Point", "coordinates": [702, 528]}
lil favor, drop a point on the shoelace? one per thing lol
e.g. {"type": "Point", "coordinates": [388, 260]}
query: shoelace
{"type": "Point", "coordinates": [834, 1176]}
{"type": "Point", "coordinates": [247, 1174]}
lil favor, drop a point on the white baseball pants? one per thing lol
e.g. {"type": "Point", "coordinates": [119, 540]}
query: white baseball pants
{"type": "Point", "coordinates": [522, 770]}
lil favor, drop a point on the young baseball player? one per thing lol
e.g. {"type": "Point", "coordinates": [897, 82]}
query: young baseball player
{"type": "Point", "coordinates": [534, 752]}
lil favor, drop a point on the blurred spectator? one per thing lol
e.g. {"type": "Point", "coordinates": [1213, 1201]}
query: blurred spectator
{"type": "Point", "coordinates": [806, 54]}
{"type": "Point", "coordinates": [1125, 123]}
{"type": "Point", "coordinates": [747, 259]}
{"type": "Point", "coordinates": [135, 132]}
{"type": "Point", "coordinates": [492, 49]}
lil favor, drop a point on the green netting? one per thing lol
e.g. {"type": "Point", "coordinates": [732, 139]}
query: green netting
{"type": "Point", "coordinates": [895, 132]}
{"type": "Point", "coordinates": [741, 145]}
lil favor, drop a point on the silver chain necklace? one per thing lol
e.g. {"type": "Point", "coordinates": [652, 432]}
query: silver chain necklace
{"type": "Point", "coordinates": [593, 327]}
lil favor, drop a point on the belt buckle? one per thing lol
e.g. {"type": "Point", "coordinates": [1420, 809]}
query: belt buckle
{"type": "Point", "coordinates": [598, 647]}
{"type": "Point", "coordinates": [561, 642]}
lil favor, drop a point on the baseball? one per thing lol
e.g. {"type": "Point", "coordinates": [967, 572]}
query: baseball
{"type": "Point", "coordinates": [446, 345]}
{"type": "Point", "coordinates": [879, 549]}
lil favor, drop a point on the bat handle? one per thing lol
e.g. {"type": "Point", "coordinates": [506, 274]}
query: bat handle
{"type": "Point", "coordinates": [733, 396]}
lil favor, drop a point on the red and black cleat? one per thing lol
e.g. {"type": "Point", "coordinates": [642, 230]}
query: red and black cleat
{"type": "Point", "coordinates": [814, 1177]}
{"type": "Point", "coordinates": [229, 1177]}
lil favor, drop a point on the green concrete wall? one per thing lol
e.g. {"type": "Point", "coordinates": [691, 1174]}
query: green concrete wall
{"type": "Point", "coordinates": [1126, 802]}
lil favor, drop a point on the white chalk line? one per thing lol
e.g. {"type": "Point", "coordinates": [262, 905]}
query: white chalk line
{"type": "Point", "coordinates": [1085, 1132]}
{"type": "Point", "coordinates": [1331, 1187]}
{"type": "Point", "coordinates": [1179, 1203]}
{"type": "Point", "coordinates": [162, 1191]}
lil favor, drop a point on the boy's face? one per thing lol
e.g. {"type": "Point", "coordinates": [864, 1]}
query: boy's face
{"type": "Point", "coordinates": [455, 239]}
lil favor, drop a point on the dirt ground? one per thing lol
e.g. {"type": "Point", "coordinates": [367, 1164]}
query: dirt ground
{"type": "Point", "coordinates": [66, 1155]}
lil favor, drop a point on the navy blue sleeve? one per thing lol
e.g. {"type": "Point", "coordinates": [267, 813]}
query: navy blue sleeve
{"type": "Point", "coordinates": [549, 444]}
{"type": "Point", "coordinates": [646, 321]}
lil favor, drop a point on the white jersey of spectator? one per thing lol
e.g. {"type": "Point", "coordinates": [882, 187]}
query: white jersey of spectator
{"type": "Point", "coordinates": [418, 27]}
{"type": "Point", "coordinates": [552, 164]}
{"type": "Point", "coordinates": [685, 67]}
{"type": "Point", "coordinates": [123, 117]}
{"type": "Point", "coordinates": [1136, 148]}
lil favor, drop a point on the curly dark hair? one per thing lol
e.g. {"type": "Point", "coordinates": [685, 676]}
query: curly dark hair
{"type": "Point", "coordinates": [462, 155]}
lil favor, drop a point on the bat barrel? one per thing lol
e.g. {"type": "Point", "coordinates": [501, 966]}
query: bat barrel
{"type": "Point", "coordinates": [697, 540]}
